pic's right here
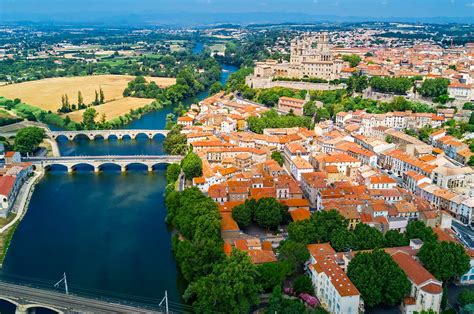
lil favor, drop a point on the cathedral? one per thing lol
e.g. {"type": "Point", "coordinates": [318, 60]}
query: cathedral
{"type": "Point", "coordinates": [310, 57]}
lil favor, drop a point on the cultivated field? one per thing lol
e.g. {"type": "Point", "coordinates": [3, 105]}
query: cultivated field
{"type": "Point", "coordinates": [46, 94]}
{"type": "Point", "coordinates": [113, 109]}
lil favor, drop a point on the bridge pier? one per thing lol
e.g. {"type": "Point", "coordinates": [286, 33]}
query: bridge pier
{"type": "Point", "coordinates": [21, 309]}
{"type": "Point", "coordinates": [96, 169]}
{"type": "Point", "coordinates": [150, 168]}
{"type": "Point", "coordinates": [123, 168]}
{"type": "Point", "coordinates": [69, 169]}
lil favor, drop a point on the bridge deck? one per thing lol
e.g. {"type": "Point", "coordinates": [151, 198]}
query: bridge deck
{"type": "Point", "coordinates": [66, 303]}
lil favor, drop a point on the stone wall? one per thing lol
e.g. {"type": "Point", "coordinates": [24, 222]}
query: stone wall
{"type": "Point", "coordinates": [263, 82]}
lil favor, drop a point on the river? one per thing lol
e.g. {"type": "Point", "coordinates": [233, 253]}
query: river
{"type": "Point", "coordinates": [105, 230]}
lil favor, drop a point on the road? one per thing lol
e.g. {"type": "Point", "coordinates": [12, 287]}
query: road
{"type": "Point", "coordinates": [67, 303]}
{"type": "Point", "coordinates": [465, 234]}
{"type": "Point", "coordinates": [21, 201]}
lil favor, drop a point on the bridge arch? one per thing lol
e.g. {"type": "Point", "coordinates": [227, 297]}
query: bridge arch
{"type": "Point", "coordinates": [162, 165]}
{"type": "Point", "coordinates": [142, 135]}
{"type": "Point", "coordinates": [158, 136]}
{"type": "Point", "coordinates": [81, 164]}
{"type": "Point", "coordinates": [143, 165]}
{"type": "Point", "coordinates": [109, 164]}
{"type": "Point", "coordinates": [60, 138]}
{"type": "Point", "coordinates": [99, 137]}
{"type": "Point", "coordinates": [58, 165]}
{"type": "Point", "coordinates": [30, 306]}
{"type": "Point", "coordinates": [125, 136]}
{"type": "Point", "coordinates": [9, 300]}
{"type": "Point", "coordinates": [112, 137]}
{"type": "Point", "coordinates": [78, 136]}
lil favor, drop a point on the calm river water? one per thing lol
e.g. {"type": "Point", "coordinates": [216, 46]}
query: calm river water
{"type": "Point", "coordinates": [105, 230]}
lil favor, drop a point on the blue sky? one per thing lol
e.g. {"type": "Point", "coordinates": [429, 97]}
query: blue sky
{"type": "Point", "coordinates": [364, 8]}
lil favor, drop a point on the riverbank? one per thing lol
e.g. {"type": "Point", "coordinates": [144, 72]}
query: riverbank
{"type": "Point", "coordinates": [19, 209]}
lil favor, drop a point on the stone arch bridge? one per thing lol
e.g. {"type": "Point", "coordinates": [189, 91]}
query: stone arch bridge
{"type": "Point", "coordinates": [106, 134]}
{"type": "Point", "coordinates": [98, 162]}
{"type": "Point", "coordinates": [26, 298]}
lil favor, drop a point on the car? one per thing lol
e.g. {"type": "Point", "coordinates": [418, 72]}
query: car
{"type": "Point", "coordinates": [390, 172]}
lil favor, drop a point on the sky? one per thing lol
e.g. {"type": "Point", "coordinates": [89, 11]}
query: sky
{"type": "Point", "coordinates": [89, 9]}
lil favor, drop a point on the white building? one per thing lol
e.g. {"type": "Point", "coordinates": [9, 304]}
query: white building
{"type": "Point", "coordinates": [462, 92]}
{"type": "Point", "coordinates": [334, 289]}
{"type": "Point", "coordinates": [426, 291]}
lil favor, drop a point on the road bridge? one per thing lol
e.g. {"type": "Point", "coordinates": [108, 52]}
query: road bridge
{"type": "Point", "coordinates": [25, 298]}
{"type": "Point", "coordinates": [98, 162]}
{"type": "Point", "coordinates": [106, 134]}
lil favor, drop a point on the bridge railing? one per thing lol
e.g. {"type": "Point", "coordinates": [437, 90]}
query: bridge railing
{"type": "Point", "coordinates": [84, 293]}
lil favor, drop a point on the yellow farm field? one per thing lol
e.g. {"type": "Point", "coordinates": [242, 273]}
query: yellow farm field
{"type": "Point", "coordinates": [46, 94]}
{"type": "Point", "coordinates": [113, 109]}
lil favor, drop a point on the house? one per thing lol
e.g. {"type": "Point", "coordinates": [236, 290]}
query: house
{"type": "Point", "coordinates": [287, 104]}
{"type": "Point", "coordinates": [185, 121]}
{"type": "Point", "coordinates": [10, 184]}
{"type": "Point", "coordinates": [334, 289]}
{"type": "Point", "coordinates": [462, 92]}
{"type": "Point", "coordinates": [311, 184]}
{"type": "Point", "coordinates": [426, 290]}
{"type": "Point", "coordinates": [12, 157]}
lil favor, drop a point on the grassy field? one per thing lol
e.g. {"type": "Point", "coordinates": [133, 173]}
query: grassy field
{"type": "Point", "coordinates": [46, 94]}
{"type": "Point", "coordinates": [113, 109]}
{"type": "Point", "coordinates": [6, 237]}
{"type": "Point", "coordinates": [220, 48]}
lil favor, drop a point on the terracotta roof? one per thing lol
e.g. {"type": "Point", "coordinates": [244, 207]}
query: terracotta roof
{"type": "Point", "coordinates": [295, 202]}
{"type": "Point", "coordinates": [382, 179]}
{"type": "Point", "coordinates": [300, 214]}
{"type": "Point", "coordinates": [6, 184]}
{"type": "Point", "coordinates": [417, 273]}
{"type": "Point", "coordinates": [320, 249]}
{"type": "Point", "coordinates": [228, 223]}
{"type": "Point", "coordinates": [262, 256]}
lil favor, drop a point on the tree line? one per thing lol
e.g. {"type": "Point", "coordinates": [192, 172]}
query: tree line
{"type": "Point", "coordinates": [66, 106]}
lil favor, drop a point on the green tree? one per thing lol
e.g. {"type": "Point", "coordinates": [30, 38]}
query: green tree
{"type": "Point", "coordinates": [378, 278]}
{"type": "Point", "coordinates": [343, 240]}
{"type": "Point", "coordinates": [418, 230]}
{"type": "Point", "coordinates": [278, 157]}
{"type": "Point", "coordinates": [215, 88]}
{"type": "Point", "coordinates": [309, 109]}
{"type": "Point", "coordinates": [268, 213]}
{"type": "Point", "coordinates": [191, 165]}
{"type": "Point", "coordinates": [434, 87]}
{"type": "Point", "coordinates": [169, 121]}
{"type": "Point", "coordinates": [175, 142]}
{"type": "Point", "coordinates": [394, 238]}
{"type": "Point", "coordinates": [80, 99]}
{"type": "Point", "coordinates": [322, 114]}
{"type": "Point", "coordinates": [353, 60]}
{"type": "Point", "coordinates": [88, 118]}
{"type": "Point", "coordinates": [295, 253]}
{"type": "Point", "coordinates": [242, 214]}
{"type": "Point", "coordinates": [273, 274]}
{"type": "Point", "coordinates": [28, 139]}
{"type": "Point", "coordinates": [303, 284]}
{"type": "Point", "coordinates": [444, 260]}
{"type": "Point", "coordinates": [231, 287]}
{"type": "Point", "coordinates": [367, 237]}
{"type": "Point", "coordinates": [319, 228]}
{"type": "Point", "coordinates": [101, 96]}
{"type": "Point", "coordinates": [172, 173]}
{"type": "Point", "coordinates": [96, 99]}
{"type": "Point", "coordinates": [466, 297]}
{"type": "Point", "coordinates": [280, 304]}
